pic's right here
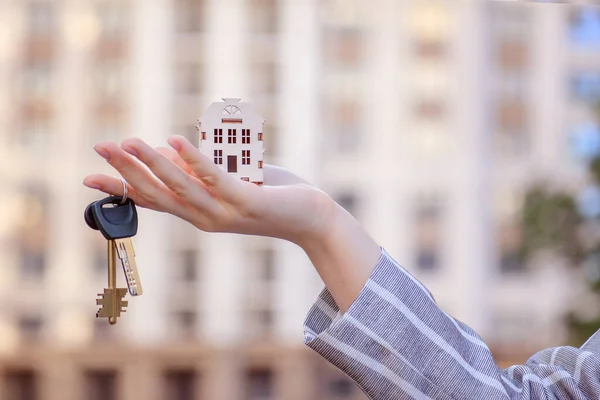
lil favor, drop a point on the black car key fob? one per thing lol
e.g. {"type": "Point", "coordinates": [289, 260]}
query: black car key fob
{"type": "Point", "coordinates": [117, 222]}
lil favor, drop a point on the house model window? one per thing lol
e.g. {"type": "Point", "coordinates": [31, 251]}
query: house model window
{"type": "Point", "coordinates": [241, 153]}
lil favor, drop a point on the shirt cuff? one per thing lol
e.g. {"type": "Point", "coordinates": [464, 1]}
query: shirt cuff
{"type": "Point", "coordinates": [324, 316]}
{"type": "Point", "coordinates": [355, 341]}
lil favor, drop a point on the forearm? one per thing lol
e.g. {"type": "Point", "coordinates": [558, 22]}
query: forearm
{"type": "Point", "coordinates": [344, 257]}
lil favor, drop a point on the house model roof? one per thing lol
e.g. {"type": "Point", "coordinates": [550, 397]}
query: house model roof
{"type": "Point", "coordinates": [230, 109]}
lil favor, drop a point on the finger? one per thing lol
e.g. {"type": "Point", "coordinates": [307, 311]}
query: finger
{"type": "Point", "coordinates": [217, 180]}
{"type": "Point", "coordinates": [174, 156]}
{"type": "Point", "coordinates": [154, 192]}
{"type": "Point", "coordinates": [114, 187]}
{"type": "Point", "coordinates": [179, 182]}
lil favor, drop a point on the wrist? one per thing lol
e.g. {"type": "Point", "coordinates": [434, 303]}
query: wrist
{"type": "Point", "coordinates": [344, 255]}
{"type": "Point", "coordinates": [318, 235]}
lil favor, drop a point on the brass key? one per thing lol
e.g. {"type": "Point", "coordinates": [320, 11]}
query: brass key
{"type": "Point", "coordinates": [111, 301]}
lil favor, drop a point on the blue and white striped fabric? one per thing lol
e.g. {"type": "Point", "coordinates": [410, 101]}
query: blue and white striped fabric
{"type": "Point", "coordinates": [396, 343]}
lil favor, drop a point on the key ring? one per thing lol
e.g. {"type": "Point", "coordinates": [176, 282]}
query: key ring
{"type": "Point", "coordinates": [125, 191]}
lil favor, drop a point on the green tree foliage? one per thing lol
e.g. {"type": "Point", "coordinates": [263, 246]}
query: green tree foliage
{"type": "Point", "coordinates": [550, 220]}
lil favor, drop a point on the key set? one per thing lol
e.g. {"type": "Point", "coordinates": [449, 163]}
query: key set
{"type": "Point", "coordinates": [116, 218]}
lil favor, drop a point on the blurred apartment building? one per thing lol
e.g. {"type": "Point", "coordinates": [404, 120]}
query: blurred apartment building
{"type": "Point", "coordinates": [424, 119]}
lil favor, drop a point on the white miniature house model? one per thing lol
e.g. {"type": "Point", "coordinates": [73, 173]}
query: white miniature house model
{"type": "Point", "coordinates": [231, 134]}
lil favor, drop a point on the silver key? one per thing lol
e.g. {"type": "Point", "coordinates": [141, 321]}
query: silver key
{"type": "Point", "coordinates": [126, 254]}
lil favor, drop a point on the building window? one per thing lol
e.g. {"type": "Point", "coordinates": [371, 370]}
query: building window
{"type": "Point", "coordinates": [36, 133]}
{"type": "Point", "coordinates": [30, 234]}
{"type": "Point", "coordinates": [218, 136]}
{"type": "Point", "coordinates": [98, 253]}
{"type": "Point", "coordinates": [189, 78]}
{"type": "Point", "coordinates": [245, 136]}
{"type": "Point", "coordinates": [180, 384]}
{"type": "Point", "coordinates": [343, 47]}
{"type": "Point", "coordinates": [113, 18]}
{"type": "Point", "coordinates": [263, 15]}
{"type": "Point", "coordinates": [512, 55]}
{"type": "Point", "coordinates": [218, 156]}
{"type": "Point", "coordinates": [430, 110]}
{"type": "Point", "coordinates": [512, 122]}
{"type": "Point", "coordinates": [186, 322]}
{"type": "Point", "coordinates": [430, 49]}
{"type": "Point", "coordinates": [343, 13]}
{"type": "Point", "coordinates": [189, 264]}
{"type": "Point", "coordinates": [428, 232]}
{"type": "Point", "coordinates": [266, 265]}
{"type": "Point", "coordinates": [231, 135]}
{"type": "Point", "coordinates": [348, 201]}
{"type": "Point", "coordinates": [110, 119]}
{"type": "Point", "coordinates": [101, 385]}
{"type": "Point", "coordinates": [511, 116]}
{"type": "Point", "coordinates": [511, 328]}
{"type": "Point", "coordinates": [21, 385]}
{"type": "Point", "coordinates": [100, 261]}
{"type": "Point", "coordinates": [30, 327]}
{"type": "Point", "coordinates": [509, 242]}
{"type": "Point", "coordinates": [427, 259]}
{"type": "Point", "coordinates": [260, 164]}
{"type": "Point", "coordinates": [110, 79]}
{"type": "Point", "coordinates": [261, 320]}
{"type": "Point", "coordinates": [260, 385]}
{"type": "Point", "coordinates": [189, 15]}
{"type": "Point", "coordinates": [341, 388]}
{"type": "Point", "coordinates": [264, 77]}
{"type": "Point", "coordinates": [510, 20]}
{"type": "Point", "coordinates": [41, 18]}
{"type": "Point", "coordinates": [510, 35]}
{"type": "Point", "coordinates": [346, 126]}
{"type": "Point", "coordinates": [36, 80]}
{"type": "Point", "coordinates": [245, 157]}
{"type": "Point", "coordinates": [510, 85]}
{"type": "Point", "coordinates": [260, 136]}
{"type": "Point", "coordinates": [33, 264]}
{"type": "Point", "coordinates": [111, 51]}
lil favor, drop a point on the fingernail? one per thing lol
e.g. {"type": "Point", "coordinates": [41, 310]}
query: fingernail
{"type": "Point", "coordinates": [102, 152]}
{"type": "Point", "coordinates": [174, 144]}
{"type": "Point", "coordinates": [131, 150]}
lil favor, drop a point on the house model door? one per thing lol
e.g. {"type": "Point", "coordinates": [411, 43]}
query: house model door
{"type": "Point", "coordinates": [231, 163]}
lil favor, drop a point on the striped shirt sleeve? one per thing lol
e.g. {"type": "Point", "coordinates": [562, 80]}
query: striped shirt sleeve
{"type": "Point", "coordinates": [396, 343]}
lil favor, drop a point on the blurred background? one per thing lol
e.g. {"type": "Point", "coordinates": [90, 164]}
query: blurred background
{"type": "Point", "coordinates": [464, 135]}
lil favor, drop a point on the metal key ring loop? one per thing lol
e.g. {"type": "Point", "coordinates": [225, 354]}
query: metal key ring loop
{"type": "Point", "coordinates": [125, 191]}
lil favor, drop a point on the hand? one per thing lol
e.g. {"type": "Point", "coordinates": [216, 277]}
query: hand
{"type": "Point", "coordinates": [184, 182]}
